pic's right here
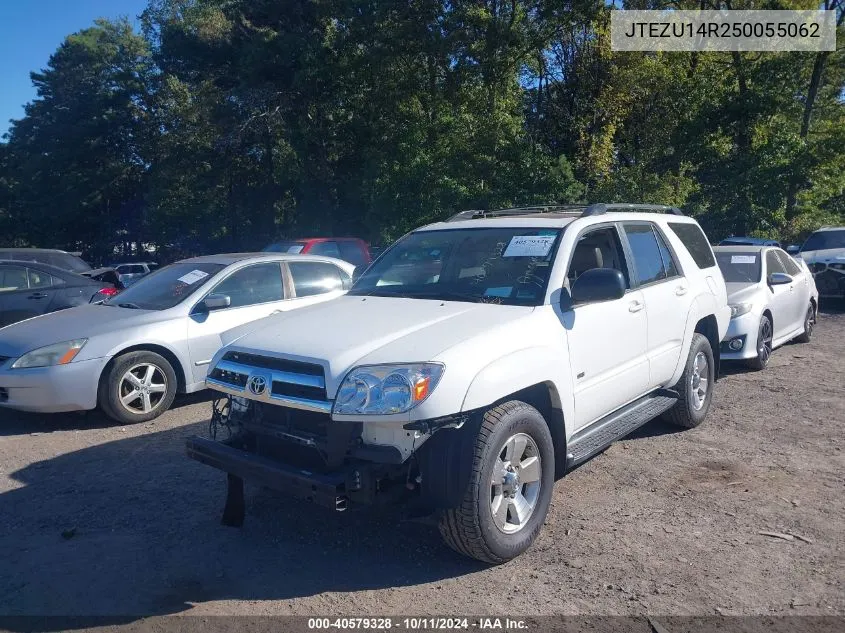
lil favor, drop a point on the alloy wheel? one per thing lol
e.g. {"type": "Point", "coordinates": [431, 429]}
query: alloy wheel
{"type": "Point", "coordinates": [142, 388]}
{"type": "Point", "coordinates": [515, 484]}
{"type": "Point", "coordinates": [699, 380]}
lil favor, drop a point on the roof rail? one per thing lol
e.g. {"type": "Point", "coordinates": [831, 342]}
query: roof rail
{"type": "Point", "coordinates": [579, 210]}
{"type": "Point", "coordinates": [601, 208]}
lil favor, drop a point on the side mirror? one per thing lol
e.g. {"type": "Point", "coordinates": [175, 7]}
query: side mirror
{"type": "Point", "coordinates": [779, 279]}
{"type": "Point", "coordinates": [793, 249]}
{"type": "Point", "coordinates": [598, 284]}
{"type": "Point", "coordinates": [217, 302]}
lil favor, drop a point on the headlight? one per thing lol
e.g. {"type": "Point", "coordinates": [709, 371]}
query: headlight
{"type": "Point", "coordinates": [738, 309]}
{"type": "Point", "coordinates": [382, 389]}
{"type": "Point", "coordinates": [56, 354]}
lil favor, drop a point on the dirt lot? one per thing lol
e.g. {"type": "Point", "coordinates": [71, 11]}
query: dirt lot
{"type": "Point", "coordinates": [104, 520]}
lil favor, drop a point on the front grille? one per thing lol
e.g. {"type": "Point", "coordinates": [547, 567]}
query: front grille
{"type": "Point", "coordinates": [4, 394]}
{"type": "Point", "coordinates": [280, 364]}
{"type": "Point", "coordinates": [231, 377]}
{"type": "Point", "coordinates": [298, 391]}
{"type": "Point", "coordinates": [830, 282]}
{"type": "Point", "coordinates": [3, 359]}
{"type": "Point", "coordinates": [817, 268]}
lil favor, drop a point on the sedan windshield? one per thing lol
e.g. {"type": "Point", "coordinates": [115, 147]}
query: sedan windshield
{"type": "Point", "coordinates": [166, 287]}
{"type": "Point", "coordinates": [285, 247]}
{"type": "Point", "coordinates": [739, 267]}
{"type": "Point", "coordinates": [824, 240]}
{"type": "Point", "coordinates": [485, 265]}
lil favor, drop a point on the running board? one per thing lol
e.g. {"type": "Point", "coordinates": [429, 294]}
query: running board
{"type": "Point", "coordinates": [602, 433]}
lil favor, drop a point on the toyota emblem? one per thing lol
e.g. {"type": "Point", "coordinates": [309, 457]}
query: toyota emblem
{"type": "Point", "coordinates": [257, 385]}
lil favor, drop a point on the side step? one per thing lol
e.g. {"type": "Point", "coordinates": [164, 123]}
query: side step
{"type": "Point", "coordinates": [602, 433]}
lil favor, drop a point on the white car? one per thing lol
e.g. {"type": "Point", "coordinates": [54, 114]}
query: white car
{"type": "Point", "coordinates": [130, 355]}
{"type": "Point", "coordinates": [130, 273]}
{"type": "Point", "coordinates": [773, 300]}
{"type": "Point", "coordinates": [472, 363]}
{"type": "Point", "coordinates": [824, 253]}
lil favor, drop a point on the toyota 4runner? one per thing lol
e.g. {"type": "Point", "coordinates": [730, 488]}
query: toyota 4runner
{"type": "Point", "coordinates": [476, 361]}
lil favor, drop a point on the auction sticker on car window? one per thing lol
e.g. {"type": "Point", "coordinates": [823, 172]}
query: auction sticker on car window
{"type": "Point", "coordinates": [529, 246]}
{"type": "Point", "coordinates": [193, 277]}
{"type": "Point", "coordinates": [743, 259]}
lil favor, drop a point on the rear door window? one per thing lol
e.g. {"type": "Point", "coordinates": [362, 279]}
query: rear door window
{"type": "Point", "coordinates": [37, 279]}
{"type": "Point", "coordinates": [648, 260]}
{"type": "Point", "coordinates": [315, 278]}
{"type": "Point", "coordinates": [693, 239]}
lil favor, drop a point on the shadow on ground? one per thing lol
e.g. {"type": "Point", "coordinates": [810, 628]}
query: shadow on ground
{"type": "Point", "coordinates": [132, 529]}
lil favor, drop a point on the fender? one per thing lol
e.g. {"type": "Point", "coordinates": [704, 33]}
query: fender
{"type": "Point", "coordinates": [184, 367]}
{"type": "Point", "coordinates": [702, 306]}
{"type": "Point", "coordinates": [519, 370]}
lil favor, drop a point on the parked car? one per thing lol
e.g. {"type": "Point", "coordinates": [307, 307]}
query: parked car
{"type": "Point", "coordinates": [749, 241]}
{"type": "Point", "coordinates": [773, 300]}
{"type": "Point", "coordinates": [131, 354]}
{"type": "Point", "coordinates": [824, 253]}
{"type": "Point", "coordinates": [63, 260]}
{"type": "Point", "coordinates": [130, 273]}
{"type": "Point", "coordinates": [28, 289]}
{"type": "Point", "coordinates": [529, 342]}
{"type": "Point", "coordinates": [349, 249]}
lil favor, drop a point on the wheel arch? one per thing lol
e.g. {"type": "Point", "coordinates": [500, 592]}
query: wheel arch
{"type": "Point", "coordinates": [161, 350]}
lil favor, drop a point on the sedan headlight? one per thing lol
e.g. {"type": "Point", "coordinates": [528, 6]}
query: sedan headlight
{"type": "Point", "coordinates": [738, 309]}
{"type": "Point", "coordinates": [56, 354]}
{"type": "Point", "coordinates": [383, 389]}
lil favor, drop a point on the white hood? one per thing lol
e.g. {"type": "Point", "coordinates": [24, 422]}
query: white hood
{"type": "Point", "coordinates": [826, 256]}
{"type": "Point", "coordinates": [356, 330]}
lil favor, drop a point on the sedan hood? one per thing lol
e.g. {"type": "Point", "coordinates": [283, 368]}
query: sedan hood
{"type": "Point", "coordinates": [742, 292]}
{"type": "Point", "coordinates": [355, 330]}
{"type": "Point", "coordinates": [66, 325]}
{"type": "Point", "coordinates": [824, 256]}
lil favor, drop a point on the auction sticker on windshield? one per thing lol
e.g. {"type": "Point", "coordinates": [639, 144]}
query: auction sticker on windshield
{"type": "Point", "coordinates": [529, 246]}
{"type": "Point", "coordinates": [743, 259]}
{"type": "Point", "coordinates": [193, 277]}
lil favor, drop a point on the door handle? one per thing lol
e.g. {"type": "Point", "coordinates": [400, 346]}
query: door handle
{"type": "Point", "coordinates": [37, 295]}
{"type": "Point", "coordinates": [681, 291]}
{"type": "Point", "coordinates": [635, 306]}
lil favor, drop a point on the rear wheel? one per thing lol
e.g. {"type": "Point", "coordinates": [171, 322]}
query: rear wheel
{"type": "Point", "coordinates": [765, 333]}
{"type": "Point", "coordinates": [809, 324]}
{"type": "Point", "coordinates": [695, 386]}
{"type": "Point", "coordinates": [138, 386]}
{"type": "Point", "coordinates": [510, 488]}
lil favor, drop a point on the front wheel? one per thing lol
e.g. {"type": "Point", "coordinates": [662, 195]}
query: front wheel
{"type": "Point", "coordinates": [510, 488]}
{"type": "Point", "coordinates": [765, 333]}
{"type": "Point", "coordinates": [137, 387]}
{"type": "Point", "coordinates": [695, 386]}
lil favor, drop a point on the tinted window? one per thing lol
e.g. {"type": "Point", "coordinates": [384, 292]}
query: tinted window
{"type": "Point", "coordinates": [693, 239]}
{"type": "Point", "coordinates": [668, 260]}
{"type": "Point", "coordinates": [37, 279]}
{"type": "Point", "coordinates": [773, 264]}
{"type": "Point", "coordinates": [739, 267]}
{"type": "Point", "coordinates": [166, 287]}
{"type": "Point", "coordinates": [351, 252]}
{"type": "Point", "coordinates": [259, 283]}
{"type": "Point", "coordinates": [792, 268]}
{"type": "Point", "coordinates": [327, 249]}
{"type": "Point", "coordinates": [315, 278]}
{"type": "Point", "coordinates": [821, 240]}
{"type": "Point", "coordinates": [647, 259]}
{"type": "Point", "coordinates": [12, 278]}
{"type": "Point", "coordinates": [131, 269]}
{"type": "Point", "coordinates": [285, 247]}
{"type": "Point", "coordinates": [66, 261]}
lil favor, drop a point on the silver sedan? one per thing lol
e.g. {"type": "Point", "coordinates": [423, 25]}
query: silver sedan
{"type": "Point", "coordinates": [773, 300]}
{"type": "Point", "coordinates": [131, 354]}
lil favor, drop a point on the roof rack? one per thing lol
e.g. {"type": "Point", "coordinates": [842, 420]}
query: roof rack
{"type": "Point", "coordinates": [578, 210]}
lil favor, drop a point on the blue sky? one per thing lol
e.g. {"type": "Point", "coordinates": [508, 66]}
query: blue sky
{"type": "Point", "coordinates": [31, 30]}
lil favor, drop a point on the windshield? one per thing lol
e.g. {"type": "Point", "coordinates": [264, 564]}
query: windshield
{"type": "Point", "coordinates": [486, 265]}
{"type": "Point", "coordinates": [285, 247]}
{"type": "Point", "coordinates": [823, 240]}
{"type": "Point", "coordinates": [739, 267]}
{"type": "Point", "coordinates": [166, 287]}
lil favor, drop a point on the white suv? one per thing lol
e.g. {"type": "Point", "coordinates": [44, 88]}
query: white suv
{"type": "Point", "coordinates": [472, 364]}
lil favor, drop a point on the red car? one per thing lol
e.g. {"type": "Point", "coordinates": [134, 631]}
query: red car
{"type": "Point", "coordinates": [349, 249]}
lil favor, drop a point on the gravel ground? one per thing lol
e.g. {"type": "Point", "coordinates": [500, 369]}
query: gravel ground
{"type": "Point", "coordinates": [116, 521]}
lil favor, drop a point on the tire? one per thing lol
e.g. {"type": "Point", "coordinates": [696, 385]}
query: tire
{"type": "Point", "coordinates": [765, 332]}
{"type": "Point", "coordinates": [809, 324]}
{"type": "Point", "coordinates": [471, 528]}
{"type": "Point", "coordinates": [692, 406]}
{"type": "Point", "coordinates": [149, 370]}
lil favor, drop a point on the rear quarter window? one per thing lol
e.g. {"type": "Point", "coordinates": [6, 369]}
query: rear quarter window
{"type": "Point", "coordinates": [692, 237]}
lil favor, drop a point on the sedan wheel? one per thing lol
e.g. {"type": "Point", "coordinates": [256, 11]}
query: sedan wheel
{"type": "Point", "coordinates": [809, 324]}
{"type": "Point", "coordinates": [137, 387]}
{"type": "Point", "coordinates": [764, 344]}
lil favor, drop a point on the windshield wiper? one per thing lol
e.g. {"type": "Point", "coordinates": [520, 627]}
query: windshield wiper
{"type": "Point", "coordinates": [447, 296]}
{"type": "Point", "coordinates": [131, 306]}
